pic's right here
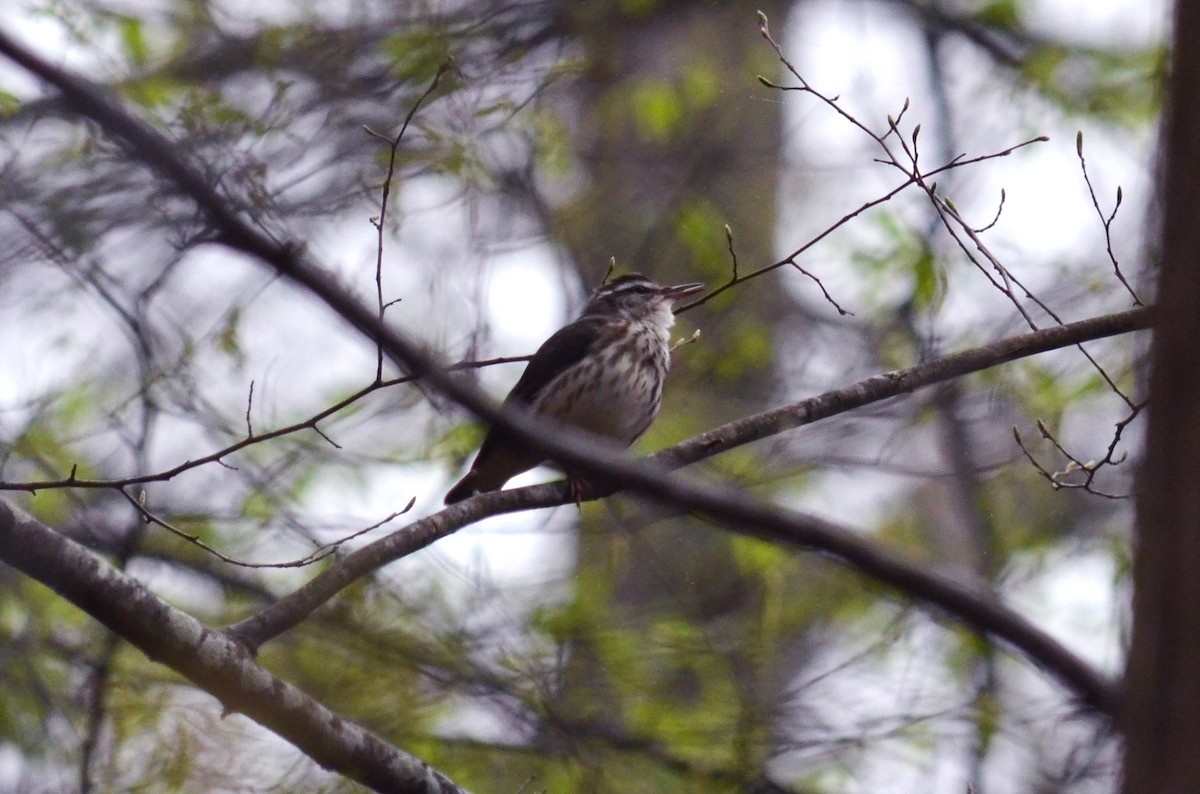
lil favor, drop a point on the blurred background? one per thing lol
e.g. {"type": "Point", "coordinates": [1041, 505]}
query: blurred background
{"type": "Point", "coordinates": [619, 647]}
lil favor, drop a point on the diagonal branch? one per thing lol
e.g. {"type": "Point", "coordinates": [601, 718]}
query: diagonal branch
{"type": "Point", "coordinates": [892, 384]}
{"type": "Point", "coordinates": [976, 608]}
{"type": "Point", "coordinates": [728, 507]}
{"type": "Point", "coordinates": [210, 659]}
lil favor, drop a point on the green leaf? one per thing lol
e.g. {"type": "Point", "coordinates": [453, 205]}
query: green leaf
{"type": "Point", "coordinates": [1003, 14]}
{"type": "Point", "coordinates": [657, 111]}
{"type": "Point", "coordinates": [752, 556]}
{"type": "Point", "coordinates": [9, 104]}
{"type": "Point", "coordinates": [227, 338]}
{"type": "Point", "coordinates": [154, 91]}
{"type": "Point", "coordinates": [701, 85]}
{"type": "Point", "coordinates": [929, 281]}
{"type": "Point", "coordinates": [134, 39]}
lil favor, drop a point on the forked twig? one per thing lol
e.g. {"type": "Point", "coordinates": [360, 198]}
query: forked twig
{"type": "Point", "coordinates": [386, 192]}
{"type": "Point", "coordinates": [1106, 221]}
{"type": "Point", "coordinates": [913, 176]}
{"type": "Point", "coordinates": [1068, 477]}
{"type": "Point", "coordinates": [218, 457]}
{"type": "Point", "coordinates": [320, 553]}
{"type": "Point", "coordinates": [961, 232]}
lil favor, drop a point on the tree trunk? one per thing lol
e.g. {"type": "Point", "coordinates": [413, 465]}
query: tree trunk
{"type": "Point", "coordinates": [1162, 698]}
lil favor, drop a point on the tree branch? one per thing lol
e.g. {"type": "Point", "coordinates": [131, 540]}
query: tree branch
{"type": "Point", "coordinates": [892, 384]}
{"type": "Point", "coordinates": [290, 610]}
{"type": "Point", "coordinates": [311, 423]}
{"type": "Point", "coordinates": [211, 660]}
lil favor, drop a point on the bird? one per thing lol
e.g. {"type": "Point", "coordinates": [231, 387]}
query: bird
{"type": "Point", "coordinates": [602, 373]}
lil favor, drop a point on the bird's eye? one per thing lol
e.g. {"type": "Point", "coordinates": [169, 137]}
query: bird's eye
{"type": "Point", "coordinates": [630, 290]}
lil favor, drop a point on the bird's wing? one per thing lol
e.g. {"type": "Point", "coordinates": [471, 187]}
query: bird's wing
{"type": "Point", "coordinates": [567, 346]}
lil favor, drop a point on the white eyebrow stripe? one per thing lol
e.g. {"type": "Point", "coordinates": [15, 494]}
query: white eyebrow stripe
{"type": "Point", "coordinates": [626, 286]}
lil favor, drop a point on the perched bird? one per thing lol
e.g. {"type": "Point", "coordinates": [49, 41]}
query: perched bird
{"type": "Point", "coordinates": [602, 373]}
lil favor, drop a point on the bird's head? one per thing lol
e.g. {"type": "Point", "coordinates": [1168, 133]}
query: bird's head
{"type": "Point", "coordinates": [636, 296]}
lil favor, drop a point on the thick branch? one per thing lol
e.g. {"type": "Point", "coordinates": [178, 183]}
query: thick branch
{"type": "Point", "coordinates": [726, 506]}
{"type": "Point", "coordinates": [290, 610]}
{"type": "Point", "coordinates": [209, 659]}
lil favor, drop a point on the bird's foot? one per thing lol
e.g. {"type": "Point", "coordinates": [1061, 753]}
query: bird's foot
{"type": "Point", "coordinates": [578, 488]}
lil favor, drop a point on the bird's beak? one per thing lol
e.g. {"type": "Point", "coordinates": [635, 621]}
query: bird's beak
{"type": "Point", "coordinates": [680, 290]}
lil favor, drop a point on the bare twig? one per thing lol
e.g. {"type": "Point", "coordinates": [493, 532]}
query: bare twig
{"type": "Point", "coordinates": [996, 218]}
{"type": "Point", "coordinates": [320, 553]}
{"type": "Point", "coordinates": [953, 222]}
{"type": "Point", "coordinates": [948, 210]}
{"type": "Point", "coordinates": [317, 429]}
{"type": "Point", "coordinates": [824, 291]}
{"type": "Point", "coordinates": [1004, 280]}
{"type": "Point", "coordinates": [249, 406]}
{"type": "Point", "coordinates": [1105, 220]}
{"type": "Point", "coordinates": [1068, 477]}
{"type": "Point", "coordinates": [732, 253]}
{"type": "Point", "coordinates": [386, 191]}
{"type": "Point", "coordinates": [958, 162]}
{"type": "Point", "coordinates": [311, 423]}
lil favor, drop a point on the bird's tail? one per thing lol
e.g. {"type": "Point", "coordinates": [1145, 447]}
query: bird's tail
{"type": "Point", "coordinates": [477, 480]}
{"type": "Point", "coordinates": [468, 486]}
{"type": "Point", "coordinates": [492, 468]}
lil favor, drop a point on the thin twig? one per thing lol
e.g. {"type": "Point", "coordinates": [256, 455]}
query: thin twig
{"type": "Point", "coordinates": [824, 291]}
{"type": "Point", "coordinates": [732, 253]}
{"type": "Point", "coordinates": [996, 218]}
{"type": "Point", "coordinates": [320, 553]}
{"type": "Point", "coordinates": [1106, 221]}
{"type": "Point", "coordinates": [72, 481]}
{"type": "Point", "coordinates": [958, 162]}
{"type": "Point", "coordinates": [249, 405]}
{"type": "Point", "coordinates": [1066, 478]}
{"type": "Point", "coordinates": [386, 192]}
{"type": "Point", "coordinates": [949, 210]}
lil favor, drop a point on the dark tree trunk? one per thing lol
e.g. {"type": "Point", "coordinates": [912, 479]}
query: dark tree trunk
{"type": "Point", "coordinates": [1162, 698]}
